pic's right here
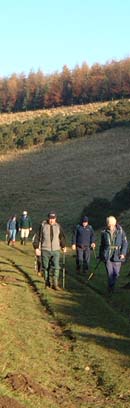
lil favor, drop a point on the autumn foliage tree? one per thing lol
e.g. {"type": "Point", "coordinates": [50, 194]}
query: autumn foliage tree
{"type": "Point", "coordinates": [78, 86]}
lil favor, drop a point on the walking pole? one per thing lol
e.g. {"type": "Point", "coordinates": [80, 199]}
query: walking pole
{"type": "Point", "coordinates": [94, 253]}
{"type": "Point", "coordinates": [93, 273]}
{"type": "Point", "coordinates": [96, 267]}
{"type": "Point", "coordinates": [63, 270]}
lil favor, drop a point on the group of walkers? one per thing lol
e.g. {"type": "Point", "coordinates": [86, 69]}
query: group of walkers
{"type": "Point", "coordinates": [24, 226]}
{"type": "Point", "coordinates": [112, 250]}
{"type": "Point", "coordinates": [50, 240]}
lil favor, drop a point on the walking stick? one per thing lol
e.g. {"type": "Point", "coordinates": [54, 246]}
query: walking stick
{"type": "Point", "coordinates": [63, 270]}
{"type": "Point", "coordinates": [93, 273]}
{"type": "Point", "coordinates": [96, 267]}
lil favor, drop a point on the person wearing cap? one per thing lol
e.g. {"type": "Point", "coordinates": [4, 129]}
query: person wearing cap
{"type": "Point", "coordinates": [113, 250]}
{"type": "Point", "coordinates": [51, 239]}
{"type": "Point", "coordinates": [83, 239]}
{"type": "Point", "coordinates": [25, 226]}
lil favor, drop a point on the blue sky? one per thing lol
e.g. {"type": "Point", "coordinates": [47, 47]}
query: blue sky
{"type": "Point", "coordinates": [48, 34]}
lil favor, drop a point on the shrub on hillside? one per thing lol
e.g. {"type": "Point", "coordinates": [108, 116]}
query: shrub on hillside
{"type": "Point", "coordinates": [62, 127]}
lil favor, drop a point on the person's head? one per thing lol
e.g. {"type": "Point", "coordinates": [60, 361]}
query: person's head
{"type": "Point", "coordinates": [85, 221]}
{"type": "Point", "coordinates": [111, 222]}
{"type": "Point", "coordinates": [25, 213]}
{"type": "Point", "coordinates": [52, 217]}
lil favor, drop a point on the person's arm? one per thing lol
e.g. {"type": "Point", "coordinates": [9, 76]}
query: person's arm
{"type": "Point", "coordinates": [8, 224]}
{"type": "Point", "coordinates": [62, 239]}
{"type": "Point", "coordinates": [17, 226]}
{"type": "Point", "coordinates": [35, 241]}
{"type": "Point", "coordinates": [36, 245]}
{"type": "Point", "coordinates": [40, 235]}
{"type": "Point", "coordinates": [124, 246]}
{"type": "Point", "coordinates": [30, 224]}
{"type": "Point", "coordinates": [74, 235]}
{"type": "Point", "coordinates": [92, 239]}
{"type": "Point", "coordinates": [101, 248]}
{"type": "Point", "coordinates": [20, 224]}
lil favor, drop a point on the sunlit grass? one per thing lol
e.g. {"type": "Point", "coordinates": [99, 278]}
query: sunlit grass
{"type": "Point", "coordinates": [75, 342]}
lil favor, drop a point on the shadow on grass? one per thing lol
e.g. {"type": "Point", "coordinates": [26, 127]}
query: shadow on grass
{"type": "Point", "coordinates": [83, 309]}
{"type": "Point", "coordinates": [32, 283]}
{"type": "Point", "coordinates": [87, 306]}
{"type": "Point", "coordinates": [120, 345]}
{"type": "Point", "coordinates": [100, 208]}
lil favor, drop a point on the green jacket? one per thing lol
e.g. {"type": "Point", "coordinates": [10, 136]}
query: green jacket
{"type": "Point", "coordinates": [25, 222]}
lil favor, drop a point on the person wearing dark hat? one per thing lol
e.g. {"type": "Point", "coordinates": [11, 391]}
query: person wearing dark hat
{"type": "Point", "coordinates": [83, 239]}
{"type": "Point", "coordinates": [51, 240]}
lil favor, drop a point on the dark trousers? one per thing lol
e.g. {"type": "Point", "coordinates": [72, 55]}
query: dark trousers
{"type": "Point", "coordinates": [113, 270]}
{"type": "Point", "coordinates": [82, 258]}
{"type": "Point", "coordinates": [46, 256]}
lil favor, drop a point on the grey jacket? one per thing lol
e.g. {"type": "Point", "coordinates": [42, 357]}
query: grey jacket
{"type": "Point", "coordinates": [51, 237]}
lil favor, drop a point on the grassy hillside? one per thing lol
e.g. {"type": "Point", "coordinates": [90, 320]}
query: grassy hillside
{"type": "Point", "coordinates": [68, 349]}
{"type": "Point", "coordinates": [78, 175]}
{"type": "Point", "coordinates": [65, 349]}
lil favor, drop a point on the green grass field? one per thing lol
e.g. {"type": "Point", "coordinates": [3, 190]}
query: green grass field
{"type": "Point", "coordinates": [67, 177]}
{"type": "Point", "coordinates": [68, 349]}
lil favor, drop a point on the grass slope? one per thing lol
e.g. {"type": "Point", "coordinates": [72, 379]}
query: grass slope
{"type": "Point", "coordinates": [71, 348]}
{"type": "Point", "coordinates": [78, 175]}
{"type": "Point", "coordinates": [64, 349]}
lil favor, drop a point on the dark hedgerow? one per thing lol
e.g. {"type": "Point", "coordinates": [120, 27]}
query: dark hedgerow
{"type": "Point", "coordinates": [61, 127]}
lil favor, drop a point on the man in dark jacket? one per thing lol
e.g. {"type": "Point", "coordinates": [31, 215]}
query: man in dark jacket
{"type": "Point", "coordinates": [51, 239]}
{"type": "Point", "coordinates": [113, 249]}
{"type": "Point", "coordinates": [25, 226]}
{"type": "Point", "coordinates": [83, 239]}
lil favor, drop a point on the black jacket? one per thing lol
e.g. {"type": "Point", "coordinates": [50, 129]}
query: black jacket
{"type": "Point", "coordinates": [83, 236]}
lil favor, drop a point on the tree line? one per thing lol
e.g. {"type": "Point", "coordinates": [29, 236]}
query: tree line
{"type": "Point", "coordinates": [69, 87]}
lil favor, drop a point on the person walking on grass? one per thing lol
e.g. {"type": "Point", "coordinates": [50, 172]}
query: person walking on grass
{"type": "Point", "coordinates": [51, 239]}
{"type": "Point", "coordinates": [25, 226]}
{"type": "Point", "coordinates": [12, 229]}
{"type": "Point", "coordinates": [83, 240]}
{"type": "Point", "coordinates": [113, 250]}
